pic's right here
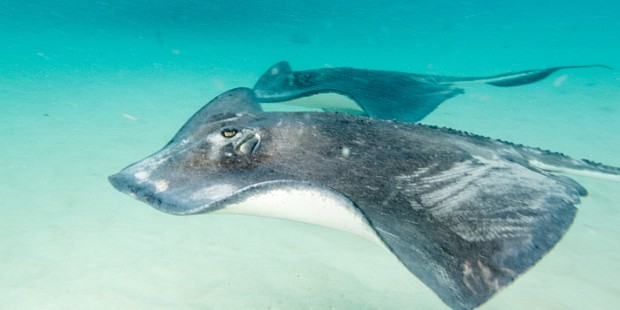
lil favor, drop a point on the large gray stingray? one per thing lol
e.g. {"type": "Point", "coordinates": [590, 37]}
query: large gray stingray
{"type": "Point", "coordinates": [407, 97]}
{"type": "Point", "coordinates": [464, 213]}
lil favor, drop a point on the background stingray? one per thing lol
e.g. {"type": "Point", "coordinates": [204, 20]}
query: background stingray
{"type": "Point", "coordinates": [464, 213]}
{"type": "Point", "coordinates": [393, 95]}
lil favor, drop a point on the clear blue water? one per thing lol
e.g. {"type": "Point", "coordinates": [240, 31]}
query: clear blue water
{"type": "Point", "coordinates": [88, 87]}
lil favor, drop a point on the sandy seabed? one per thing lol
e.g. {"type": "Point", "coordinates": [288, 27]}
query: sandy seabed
{"type": "Point", "coordinates": [71, 241]}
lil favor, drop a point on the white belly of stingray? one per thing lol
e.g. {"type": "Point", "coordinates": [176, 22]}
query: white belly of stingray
{"type": "Point", "coordinates": [313, 206]}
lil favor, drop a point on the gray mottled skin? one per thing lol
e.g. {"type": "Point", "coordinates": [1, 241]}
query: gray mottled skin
{"type": "Point", "coordinates": [464, 213]}
{"type": "Point", "coordinates": [391, 95]}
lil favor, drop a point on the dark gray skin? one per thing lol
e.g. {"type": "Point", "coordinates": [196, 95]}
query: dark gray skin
{"type": "Point", "coordinates": [464, 213]}
{"type": "Point", "coordinates": [406, 97]}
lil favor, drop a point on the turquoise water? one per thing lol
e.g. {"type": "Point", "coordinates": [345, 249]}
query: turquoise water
{"type": "Point", "coordinates": [87, 88]}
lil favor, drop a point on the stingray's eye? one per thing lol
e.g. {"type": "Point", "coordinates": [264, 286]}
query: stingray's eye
{"type": "Point", "coordinates": [229, 132]}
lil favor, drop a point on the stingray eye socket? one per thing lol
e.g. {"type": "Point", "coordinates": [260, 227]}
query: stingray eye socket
{"type": "Point", "coordinates": [229, 132]}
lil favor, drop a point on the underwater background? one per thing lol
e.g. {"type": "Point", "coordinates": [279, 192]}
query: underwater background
{"type": "Point", "coordinates": [87, 87]}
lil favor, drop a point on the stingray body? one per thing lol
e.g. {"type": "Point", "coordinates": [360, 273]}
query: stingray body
{"type": "Point", "coordinates": [464, 213]}
{"type": "Point", "coordinates": [392, 95]}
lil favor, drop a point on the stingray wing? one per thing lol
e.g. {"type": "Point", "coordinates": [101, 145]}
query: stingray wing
{"type": "Point", "coordinates": [470, 230]}
{"type": "Point", "coordinates": [395, 96]}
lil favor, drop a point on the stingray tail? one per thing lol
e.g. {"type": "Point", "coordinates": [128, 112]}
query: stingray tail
{"type": "Point", "coordinates": [515, 78]}
{"type": "Point", "coordinates": [557, 162]}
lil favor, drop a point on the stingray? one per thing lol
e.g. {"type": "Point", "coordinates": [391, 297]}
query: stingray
{"type": "Point", "coordinates": [407, 97]}
{"type": "Point", "coordinates": [464, 213]}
